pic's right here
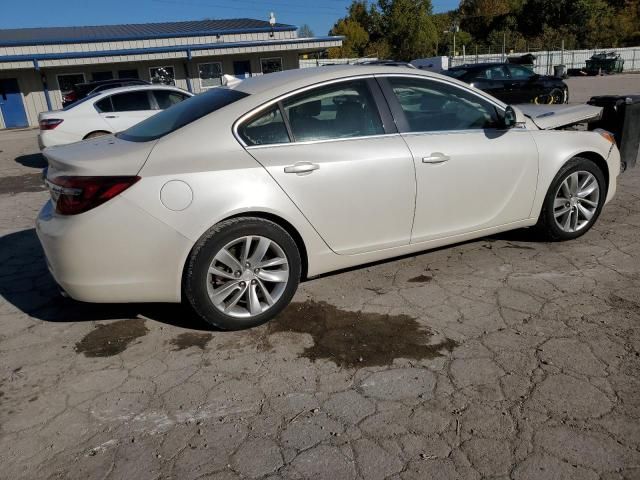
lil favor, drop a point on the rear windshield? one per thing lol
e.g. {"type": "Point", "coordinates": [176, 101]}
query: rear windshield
{"type": "Point", "coordinates": [457, 73]}
{"type": "Point", "coordinates": [78, 102]}
{"type": "Point", "coordinates": [181, 114]}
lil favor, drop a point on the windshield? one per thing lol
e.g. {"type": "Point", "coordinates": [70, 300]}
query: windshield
{"type": "Point", "coordinates": [181, 114]}
{"type": "Point", "coordinates": [457, 73]}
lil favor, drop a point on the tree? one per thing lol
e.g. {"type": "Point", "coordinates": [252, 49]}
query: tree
{"type": "Point", "coordinates": [408, 28]}
{"type": "Point", "coordinates": [305, 31]}
{"type": "Point", "coordinates": [355, 41]}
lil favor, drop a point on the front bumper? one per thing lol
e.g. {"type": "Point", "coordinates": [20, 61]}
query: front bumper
{"type": "Point", "coordinates": [115, 253]}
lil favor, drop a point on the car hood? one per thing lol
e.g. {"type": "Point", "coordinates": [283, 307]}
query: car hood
{"type": "Point", "coordinates": [107, 155]}
{"type": "Point", "coordinates": [548, 117]}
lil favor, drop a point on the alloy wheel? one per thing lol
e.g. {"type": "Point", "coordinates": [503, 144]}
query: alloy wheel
{"type": "Point", "coordinates": [247, 276]}
{"type": "Point", "coordinates": [576, 201]}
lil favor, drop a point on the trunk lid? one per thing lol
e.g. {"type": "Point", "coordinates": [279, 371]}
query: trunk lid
{"type": "Point", "coordinates": [548, 117]}
{"type": "Point", "coordinates": [101, 156]}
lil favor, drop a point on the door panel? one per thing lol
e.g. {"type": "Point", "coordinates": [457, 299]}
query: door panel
{"type": "Point", "coordinates": [11, 104]}
{"type": "Point", "coordinates": [359, 194]}
{"type": "Point", "coordinates": [470, 173]}
{"type": "Point", "coordinates": [488, 179]}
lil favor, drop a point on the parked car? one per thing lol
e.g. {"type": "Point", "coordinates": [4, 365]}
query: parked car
{"type": "Point", "coordinates": [229, 199]}
{"type": "Point", "coordinates": [512, 83]}
{"type": "Point", "coordinates": [105, 112]}
{"type": "Point", "coordinates": [82, 90]}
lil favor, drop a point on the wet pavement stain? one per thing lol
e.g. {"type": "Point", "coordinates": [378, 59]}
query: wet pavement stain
{"type": "Point", "coordinates": [112, 338]}
{"type": "Point", "coordinates": [189, 339]}
{"type": "Point", "coordinates": [421, 279]}
{"type": "Point", "coordinates": [357, 339]}
{"type": "Point", "coordinates": [30, 182]}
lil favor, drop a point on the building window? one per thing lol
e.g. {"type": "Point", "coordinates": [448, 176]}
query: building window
{"type": "Point", "coordinates": [129, 73]}
{"type": "Point", "coordinates": [66, 81]}
{"type": "Point", "coordinates": [270, 65]}
{"type": "Point", "coordinates": [99, 76]}
{"type": "Point", "coordinates": [162, 75]}
{"type": "Point", "coordinates": [210, 74]}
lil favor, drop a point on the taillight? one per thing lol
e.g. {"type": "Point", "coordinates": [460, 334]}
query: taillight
{"type": "Point", "coordinates": [50, 123]}
{"type": "Point", "coordinates": [74, 195]}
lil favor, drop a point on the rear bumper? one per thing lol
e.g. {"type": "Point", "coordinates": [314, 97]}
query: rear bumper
{"type": "Point", "coordinates": [115, 253]}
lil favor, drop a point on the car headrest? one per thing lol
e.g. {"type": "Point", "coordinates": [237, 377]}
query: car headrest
{"type": "Point", "coordinates": [307, 109]}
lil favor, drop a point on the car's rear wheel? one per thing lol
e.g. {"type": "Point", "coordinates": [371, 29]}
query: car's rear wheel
{"type": "Point", "coordinates": [574, 200]}
{"type": "Point", "coordinates": [242, 273]}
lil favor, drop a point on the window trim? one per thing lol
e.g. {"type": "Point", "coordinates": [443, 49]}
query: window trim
{"type": "Point", "coordinates": [401, 118]}
{"type": "Point", "coordinates": [202, 87]}
{"type": "Point", "coordinates": [378, 98]}
{"type": "Point", "coordinates": [172, 67]}
{"type": "Point", "coordinates": [58, 75]}
{"type": "Point", "coordinates": [271, 58]}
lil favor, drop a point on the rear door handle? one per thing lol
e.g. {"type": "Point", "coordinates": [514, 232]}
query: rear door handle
{"type": "Point", "coordinates": [301, 167]}
{"type": "Point", "coordinates": [436, 157]}
{"type": "Point", "coordinates": [111, 116]}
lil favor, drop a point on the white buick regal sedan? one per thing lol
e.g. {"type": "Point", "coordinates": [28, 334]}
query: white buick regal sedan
{"type": "Point", "coordinates": [105, 112]}
{"type": "Point", "coordinates": [228, 199]}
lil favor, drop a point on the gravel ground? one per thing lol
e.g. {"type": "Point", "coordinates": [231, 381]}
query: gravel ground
{"type": "Point", "coordinates": [503, 358]}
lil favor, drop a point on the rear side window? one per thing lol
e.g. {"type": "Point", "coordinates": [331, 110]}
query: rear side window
{"type": "Point", "coordinates": [343, 110]}
{"type": "Point", "coordinates": [181, 114]}
{"type": "Point", "coordinates": [131, 101]}
{"type": "Point", "coordinates": [266, 128]}
{"type": "Point", "coordinates": [104, 105]}
{"type": "Point", "coordinates": [167, 98]}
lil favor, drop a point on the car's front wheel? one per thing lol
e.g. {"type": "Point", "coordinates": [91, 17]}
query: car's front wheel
{"type": "Point", "coordinates": [242, 273]}
{"type": "Point", "coordinates": [574, 200]}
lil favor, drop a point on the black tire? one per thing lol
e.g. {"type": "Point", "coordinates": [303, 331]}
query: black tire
{"type": "Point", "coordinates": [546, 225]}
{"type": "Point", "coordinates": [196, 270]}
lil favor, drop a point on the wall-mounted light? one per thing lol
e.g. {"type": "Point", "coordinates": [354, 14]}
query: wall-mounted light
{"type": "Point", "coordinates": [272, 22]}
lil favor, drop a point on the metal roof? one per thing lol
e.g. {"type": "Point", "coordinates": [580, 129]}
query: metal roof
{"type": "Point", "coordinates": [139, 31]}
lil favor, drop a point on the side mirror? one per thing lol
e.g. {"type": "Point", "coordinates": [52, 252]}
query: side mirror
{"type": "Point", "coordinates": [509, 119]}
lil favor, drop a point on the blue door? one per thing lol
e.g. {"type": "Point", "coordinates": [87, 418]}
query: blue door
{"type": "Point", "coordinates": [242, 69]}
{"type": "Point", "coordinates": [11, 104]}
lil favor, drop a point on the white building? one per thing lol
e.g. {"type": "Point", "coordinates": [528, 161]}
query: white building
{"type": "Point", "coordinates": [37, 65]}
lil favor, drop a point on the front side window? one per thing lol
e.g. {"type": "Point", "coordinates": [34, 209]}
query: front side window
{"type": "Point", "coordinates": [520, 73]}
{"type": "Point", "coordinates": [181, 114]}
{"type": "Point", "coordinates": [431, 106]}
{"type": "Point", "coordinates": [494, 73]}
{"type": "Point", "coordinates": [342, 110]}
{"type": "Point", "coordinates": [210, 74]}
{"type": "Point", "coordinates": [162, 75]}
{"type": "Point", "coordinates": [270, 65]}
{"type": "Point", "coordinates": [267, 128]}
{"type": "Point", "coordinates": [167, 98]}
{"type": "Point", "coordinates": [131, 101]}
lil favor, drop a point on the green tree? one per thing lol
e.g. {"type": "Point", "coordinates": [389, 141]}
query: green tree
{"type": "Point", "coordinates": [305, 31]}
{"type": "Point", "coordinates": [408, 28]}
{"type": "Point", "coordinates": [355, 42]}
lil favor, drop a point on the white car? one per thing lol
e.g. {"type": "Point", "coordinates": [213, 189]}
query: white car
{"type": "Point", "coordinates": [229, 199]}
{"type": "Point", "coordinates": [105, 112]}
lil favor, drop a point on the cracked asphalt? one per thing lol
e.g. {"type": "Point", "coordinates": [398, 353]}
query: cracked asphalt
{"type": "Point", "coordinates": [504, 357]}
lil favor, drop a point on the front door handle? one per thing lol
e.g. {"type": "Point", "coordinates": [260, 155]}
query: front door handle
{"type": "Point", "coordinates": [111, 116]}
{"type": "Point", "coordinates": [301, 167]}
{"type": "Point", "coordinates": [436, 157]}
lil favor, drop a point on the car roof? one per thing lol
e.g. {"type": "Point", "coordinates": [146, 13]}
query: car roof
{"type": "Point", "coordinates": [283, 82]}
{"type": "Point", "coordinates": [471, 66]}
{"type": "Point", "coordinates": [133, 88]}
{"type": "Point", "coordinates": [98, 83]}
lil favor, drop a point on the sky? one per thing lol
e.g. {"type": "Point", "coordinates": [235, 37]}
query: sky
{"type": "Point", "coordinates": [319, 14]}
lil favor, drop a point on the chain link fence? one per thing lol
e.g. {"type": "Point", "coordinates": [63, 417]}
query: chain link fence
{"type": "Point", "coordinates": [547, 59]}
